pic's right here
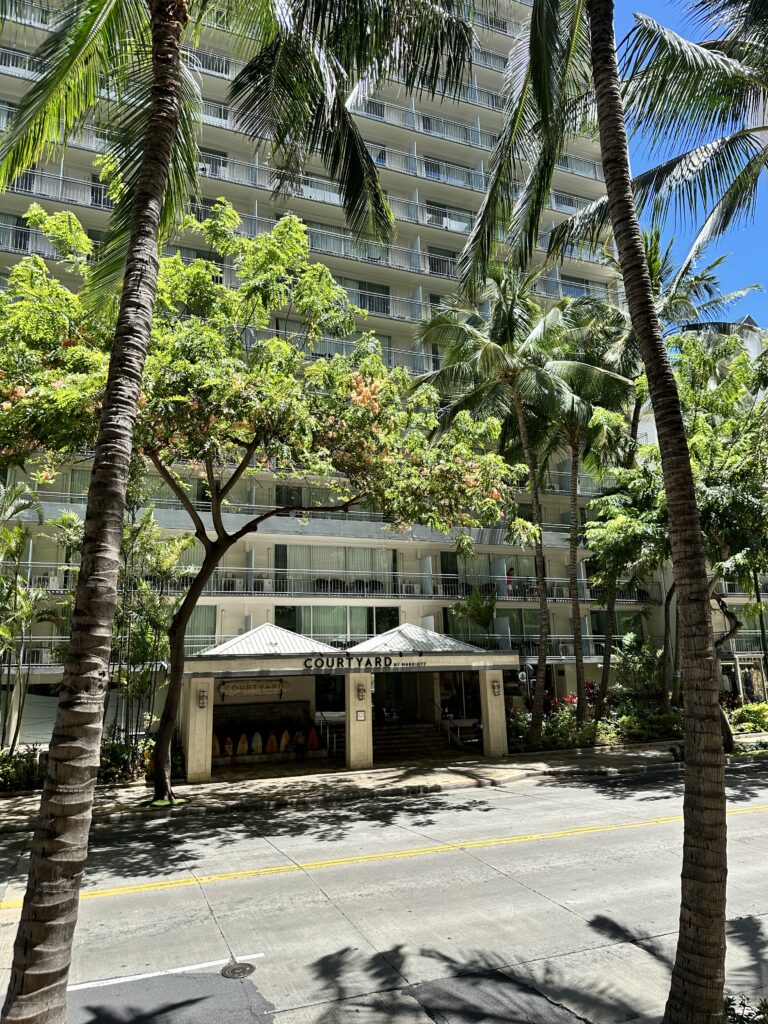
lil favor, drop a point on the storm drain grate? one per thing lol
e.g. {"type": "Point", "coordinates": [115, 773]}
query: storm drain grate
{"type": "Point", "coordinates": [237, 970]}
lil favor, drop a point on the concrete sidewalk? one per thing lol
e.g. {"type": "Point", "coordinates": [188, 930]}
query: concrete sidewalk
{"type": "Point", "coordinates": [316, 783]}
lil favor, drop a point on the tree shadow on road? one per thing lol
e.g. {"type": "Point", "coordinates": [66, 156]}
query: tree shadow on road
{"type": "Point", "coordinates": [164, 847]}
{"type": "Point", "coordinates": [742, 782]}
{"type": "Point", "coordinates": [595, 983]}
{"type": "Point", "coordinates": [168, 1012]}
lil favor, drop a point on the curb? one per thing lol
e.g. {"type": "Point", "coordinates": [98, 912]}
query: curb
{"type": "Point", "coordinates": [349, 796]}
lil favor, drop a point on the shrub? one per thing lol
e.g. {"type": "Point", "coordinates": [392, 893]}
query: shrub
{"type": "Point", "coordinates": [750, 718]}
{"type": "Point", "coordinates": [659, 725]}
{"type": "Point", "coordinates": [120, 762]}
{"type": "Point", "coordinates": [517, 728]}
{"type": "Point", "coordinates": [21, 770]}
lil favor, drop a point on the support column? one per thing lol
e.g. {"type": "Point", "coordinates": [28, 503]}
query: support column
{"type": "Point", "coordinates": [494, 715]}
{"type": "Point", "coordinates": [197, 728]}
{"type": "Point", "coordinates": [359, 709]}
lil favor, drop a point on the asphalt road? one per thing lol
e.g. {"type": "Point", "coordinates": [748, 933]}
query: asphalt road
{"type": "Point", "coordinates": [541, 902]}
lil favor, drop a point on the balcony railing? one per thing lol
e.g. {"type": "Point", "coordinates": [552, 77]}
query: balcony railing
{"type": "Point", "coordinates": [242, 172]}
{"type": "Point", "coordinates": [527, 647]}
{"type": "Point", "coordinates": [47, 652]}
{"type": "Point", "coordinates": [730, 588]}
{"type": "Point", "coordinates": [228, 580]}
{"type": "Point", "coordinates": [424, 124]}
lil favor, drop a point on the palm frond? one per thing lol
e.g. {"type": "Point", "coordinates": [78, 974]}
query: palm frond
{"type": "Point", "coordinates": [87, 59]}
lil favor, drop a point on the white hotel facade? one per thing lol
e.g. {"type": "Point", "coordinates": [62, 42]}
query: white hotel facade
{"type": "Point", "coordinates": [344, 578]}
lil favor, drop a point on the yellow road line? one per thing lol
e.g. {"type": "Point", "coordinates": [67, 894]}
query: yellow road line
{"type": "Point", "coordinates": [368, 858]}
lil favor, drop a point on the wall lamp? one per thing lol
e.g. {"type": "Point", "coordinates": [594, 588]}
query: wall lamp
{"type": "Point", "coordinates": [361, 691]}
{"type": "Point", "coordinates": [496, 688]}
{"type": "Point", "coordinates": [202, 698]}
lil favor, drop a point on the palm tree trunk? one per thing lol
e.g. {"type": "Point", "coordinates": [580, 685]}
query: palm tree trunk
{"type": "Point", "coordinates": [573, 586]}
{"type": "Point", "coordinates": [605, 675]}
{"type": "Point", "coordinates": [539, 692]}
{"type": "Point", "coordinates": [761, 619]}
{"type": "Point", "coordinates": [43, 948]}
{"type": "Point", "coordinates": [667, 648]}
{"type": "Point", "coordinates": [677, 662]}
{"type": "Point", "coordinates": [174, 683]}
{"type": "Point", "coordinates": [696, 993]}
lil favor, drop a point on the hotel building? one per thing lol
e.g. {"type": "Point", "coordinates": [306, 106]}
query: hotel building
{"type": "Point", "coordinates": [343, 579]}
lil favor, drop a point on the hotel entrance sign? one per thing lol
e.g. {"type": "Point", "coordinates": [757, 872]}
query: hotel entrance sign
{"type": "Point", "coordinates": [364, 663]}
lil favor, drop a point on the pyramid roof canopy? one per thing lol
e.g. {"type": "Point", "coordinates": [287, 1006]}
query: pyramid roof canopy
{"type": "Point", "coordinates": [266, 640]}
{"type": "Point", "coordinates": [409, 639]}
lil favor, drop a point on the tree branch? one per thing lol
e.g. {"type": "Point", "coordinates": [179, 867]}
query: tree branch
{"type": "Point", "coordinates": [181, 494]}
{"type": "Point", "coordinates": [734, 623]}
{"type": "Point", "coordinates": [213, 488]}
{"type": "Point", "coordinates": [252, 525]}
{"type": "Point", "coordinates": [239, 470]}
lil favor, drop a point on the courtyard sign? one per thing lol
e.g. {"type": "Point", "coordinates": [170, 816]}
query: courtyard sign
{"type": "Point", "coordinates": [362, 662]}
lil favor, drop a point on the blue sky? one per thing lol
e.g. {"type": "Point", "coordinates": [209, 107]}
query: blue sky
{"type": "Point", "coordinates": [745, 264]}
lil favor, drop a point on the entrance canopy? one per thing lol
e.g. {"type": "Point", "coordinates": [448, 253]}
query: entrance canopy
{"type": "Point", "coordinates": [266, 641]}
{"type": "Point", "coordinates": [409, 639]}
{"type": "Point", "coordinates": [269, 674]}
{"type": "Point", "coordinates": [271, 650]}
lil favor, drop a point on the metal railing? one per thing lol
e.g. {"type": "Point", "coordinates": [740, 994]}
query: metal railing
{"type": "Point", "coordinates": [260, 581]}
{"type": "Point", "coordinates": [242, 172]}
{"type": "Point", "coordinates": [424, 124]}
{"type": "Point", "coordinates": [730, 588]}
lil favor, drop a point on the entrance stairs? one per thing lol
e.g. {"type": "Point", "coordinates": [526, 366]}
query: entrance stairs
{"type": "Point", "coordinates": [407, 742]}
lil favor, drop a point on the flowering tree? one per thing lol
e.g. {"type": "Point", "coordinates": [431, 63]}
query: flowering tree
{"type": "Point", "coordinates": [224, 399]}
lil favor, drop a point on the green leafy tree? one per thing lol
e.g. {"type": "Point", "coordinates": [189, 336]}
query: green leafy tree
{"type": "Point", "coordinates": [224, 400]}
{"type": "Point", "coordinates": [302, 60]}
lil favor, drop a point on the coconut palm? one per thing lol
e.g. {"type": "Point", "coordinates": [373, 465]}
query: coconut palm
{"type": "Point", "coordinates": [589, 423]}
{"type": "Point", "coordinates": [122, 60]}
{"type": "Point", "coordinates": [499, 364]}
{"type": "Point", "coordinates": [569, 71]}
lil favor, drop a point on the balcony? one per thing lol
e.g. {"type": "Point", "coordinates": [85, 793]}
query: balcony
{"type": "Point", "coordinates": [424, 124]}
{"type": "Point", "coordinates": [269, 582]}
{"type": "Point", "coordinates": [559, 647]}
{"type": "Point", "coordinates": [730, 588]}
{"type": "Point", "coordinates": [241, 172]}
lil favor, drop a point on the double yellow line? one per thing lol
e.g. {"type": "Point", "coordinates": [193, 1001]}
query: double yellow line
{"type": "Point", "coordinates": [370, 858]}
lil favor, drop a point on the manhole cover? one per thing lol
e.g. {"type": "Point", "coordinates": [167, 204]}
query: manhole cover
{"type": "Point", "coordinates": [237, 970]}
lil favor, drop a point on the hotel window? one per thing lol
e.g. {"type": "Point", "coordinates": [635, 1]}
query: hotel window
{"type": "Point", "coordinates": [201, 629]}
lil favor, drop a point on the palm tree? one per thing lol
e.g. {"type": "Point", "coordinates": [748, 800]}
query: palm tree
{"type": "Point", "coordinates": [498, 364]}
{"type": "Point", "coordinates": [570, 70]}
{"type": "Point", "coordinates": [587, 424]}
{"type": "Point", "coordinates": [125, 56]}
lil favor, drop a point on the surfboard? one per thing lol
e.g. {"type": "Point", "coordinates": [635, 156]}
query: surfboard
{"type": "Point", "coordinates": [216, 746]}
{"type": "Point", "coordinates": [285, 741]}
{"type": "Point", "coordinates": [271, 744]}
{"type": "Point", "coordinates": [313, 742]}
{"type": "Point", "coordinates": [257, 743]}
{"type": "Point", "coordinates": [242, 746]}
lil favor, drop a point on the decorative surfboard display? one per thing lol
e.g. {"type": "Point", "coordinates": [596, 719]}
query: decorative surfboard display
{"type": "Point", "coordinates": [242, 746]}
{"type": "Point", "coordinates": [257, 743]}
{"type": "Point", "coordinates": [215, 746]}
{"type": "Point", "coordinates": [285, 741]}
{"type": "Point", "coordinates": [271, 744]}
{"type": "Point", "coordinates": [313, 742]}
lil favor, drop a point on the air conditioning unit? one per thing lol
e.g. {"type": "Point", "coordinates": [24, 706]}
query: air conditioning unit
{"type": "Point", "coordinates": [411, 589]}
{"type": "Point", "coordinates": [262, 586]}
{"type": "Point", "coordinates": [231, 585]}
{"type": "Point", "coordinates": [42, 582]}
